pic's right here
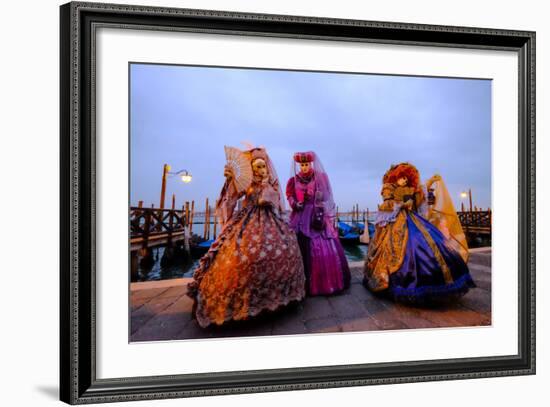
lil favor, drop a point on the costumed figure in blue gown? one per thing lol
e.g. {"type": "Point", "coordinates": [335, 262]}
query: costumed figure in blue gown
{"type": "Point", "coordinates": [419, 252]}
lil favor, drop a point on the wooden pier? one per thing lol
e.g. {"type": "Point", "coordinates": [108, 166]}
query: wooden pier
{"type": "Point", "coordinates": [152, 228]}
{"type": "Point", "coordinates": [476, 222]}
{"type": "Point", "coordinates": [172, 228]}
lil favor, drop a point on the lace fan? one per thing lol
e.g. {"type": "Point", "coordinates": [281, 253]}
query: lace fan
{"type": "Point", "coordinates": [242, 170]}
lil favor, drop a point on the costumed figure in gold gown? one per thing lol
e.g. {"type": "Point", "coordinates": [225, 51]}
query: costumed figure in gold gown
{"type": "Point", "coordinates": [419, 251]}
{"type": "Point", "coordinates": [255, 264]}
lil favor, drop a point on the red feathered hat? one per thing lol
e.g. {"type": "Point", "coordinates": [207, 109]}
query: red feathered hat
{"type": "Point", "coordinates": [306, 157]}
{"type": "Point", "coordinates": [406, 170]}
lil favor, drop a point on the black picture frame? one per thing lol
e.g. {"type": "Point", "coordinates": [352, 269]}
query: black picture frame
{"type": "Point", "coordinates": [78, 381]}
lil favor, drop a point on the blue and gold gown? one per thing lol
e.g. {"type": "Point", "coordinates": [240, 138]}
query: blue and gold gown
{"type": "Point", "coordinates": [409, 258]}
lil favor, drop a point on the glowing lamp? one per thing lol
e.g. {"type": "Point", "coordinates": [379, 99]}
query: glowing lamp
{"type": "Point", "coordinates": [186, 177]}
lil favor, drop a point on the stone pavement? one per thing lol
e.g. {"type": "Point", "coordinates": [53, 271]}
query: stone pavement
{"type": "Point", "coordinates": [160, 310]}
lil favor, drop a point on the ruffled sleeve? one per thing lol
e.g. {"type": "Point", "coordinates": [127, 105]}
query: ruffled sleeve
{"type": "Point", "coordinates": [389, 209]}
{"type": "Point", "coordinates": [290, 193]}
{"type": "Point", "coordinates": [227, 201]}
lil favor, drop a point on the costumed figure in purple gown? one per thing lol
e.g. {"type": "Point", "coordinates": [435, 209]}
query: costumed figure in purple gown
{"type": "Point", "coordinates": [419, 251]}
{"type": "Point", "coordinates": [313, 210]}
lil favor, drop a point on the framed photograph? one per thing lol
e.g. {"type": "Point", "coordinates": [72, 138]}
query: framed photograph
{"type": "Point", "coordinates": [255, 203]}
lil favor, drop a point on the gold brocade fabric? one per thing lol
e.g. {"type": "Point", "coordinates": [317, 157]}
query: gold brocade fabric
{"type": "Point", "coordinates": [386, 252]}
{"type": "Point", "coordinates": [254, 265]}
{"type": "Point", "coordinates": [399, 211]}
{"type": "Point", "coordinates": [400, 192]}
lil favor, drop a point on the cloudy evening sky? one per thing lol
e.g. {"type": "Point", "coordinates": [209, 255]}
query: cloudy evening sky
{"type": "Point", "coordinates": [358, 124]}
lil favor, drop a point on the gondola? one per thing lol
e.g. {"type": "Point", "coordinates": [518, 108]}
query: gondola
{"type": "Point", "coordinates": [348, 234]}
{"type": "Point", "coordinates": [199, 249]}
{"type": "Point", "coordinates": [351, 234]}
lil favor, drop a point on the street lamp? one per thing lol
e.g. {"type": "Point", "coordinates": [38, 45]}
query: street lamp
{"type": "Point", "coordinates": [465, 195]}
{"type": "Point", "coordinates": [185, 176]}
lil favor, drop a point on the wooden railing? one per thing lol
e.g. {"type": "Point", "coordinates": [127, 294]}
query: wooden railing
{"type": "Point", "coordinates": [158, 227]}
{"type": "Point", "coordinates": [148, 224]}
{"type": "Point", "coordinates": [149, 221]}
{"type": "Point", "coordinates": [476, 221]}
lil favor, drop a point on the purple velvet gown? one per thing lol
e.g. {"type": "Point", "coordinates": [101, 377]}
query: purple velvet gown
{"type": "Point", "coordinates": [325, 264]}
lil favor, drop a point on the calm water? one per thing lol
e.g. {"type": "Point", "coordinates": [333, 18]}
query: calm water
{"type": "Point", "coordinates": [157, 272]}
{"type": "Point", "coordinates": [353, 253]}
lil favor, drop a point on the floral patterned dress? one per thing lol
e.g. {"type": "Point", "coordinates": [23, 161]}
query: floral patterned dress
{"type": "Point", "coordinates": [254, 265]}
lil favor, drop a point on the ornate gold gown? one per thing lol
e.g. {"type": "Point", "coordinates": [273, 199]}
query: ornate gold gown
{"type": "Point", "coordinates": [409, 257]}
{"type": "Point", "coordinates": [254, 265]}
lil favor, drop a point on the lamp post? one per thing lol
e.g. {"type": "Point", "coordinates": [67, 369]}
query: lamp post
{"type": "Point", "coordinates": [165, 171]}
{"type": "Point", "coordinates": [185, 176]}
{"type": "Point", "coordinates": [463, 196]}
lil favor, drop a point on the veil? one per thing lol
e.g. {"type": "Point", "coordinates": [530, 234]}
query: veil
{"type": "Point", "coordinates": [326, 198]}
{"type": "Point", "coordinates": [260, 152]}
{"type": "Point", "coordinates": [443, 215]}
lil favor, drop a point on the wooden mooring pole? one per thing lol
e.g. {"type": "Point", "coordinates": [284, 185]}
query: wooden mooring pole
{"type": "Point", "coordinates": [186, 233]}
{"type": "Point", "coordinates": [192, 217]}
{"type": "Point", "coordinates": [215, 220]}
{"type": "Point", "coordinates": [171, 215]}
{"type": "Point", "coordinates": [205, 220]}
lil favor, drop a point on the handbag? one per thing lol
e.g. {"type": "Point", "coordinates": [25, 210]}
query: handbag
{"type": "Point", "coordinates": [318, 218]}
